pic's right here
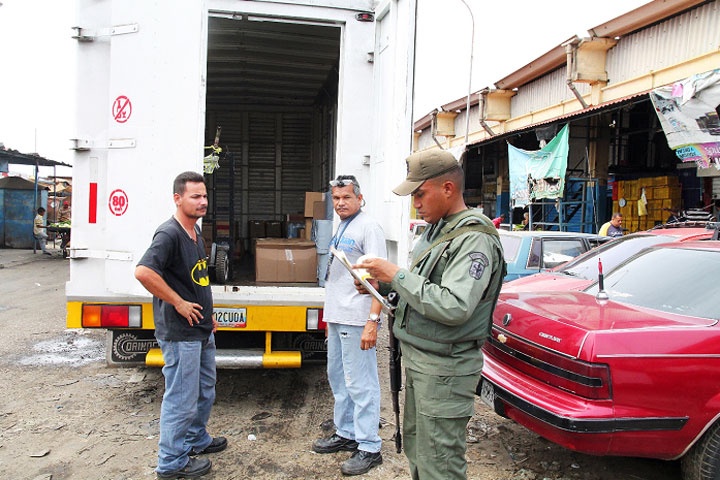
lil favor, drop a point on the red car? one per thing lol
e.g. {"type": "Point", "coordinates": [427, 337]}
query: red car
{"type": "Point", "coordinates": [632, 369]}
{"type": "Point", "coordinates": [582, 270]}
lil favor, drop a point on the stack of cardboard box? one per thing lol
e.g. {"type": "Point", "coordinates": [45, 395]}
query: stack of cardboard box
{"type": "Point", "coordinates": [289, 260]}
{"type": "Point", "coordinates": [662, 194]}
{"type": "Point", "coordinates": [314, 210]}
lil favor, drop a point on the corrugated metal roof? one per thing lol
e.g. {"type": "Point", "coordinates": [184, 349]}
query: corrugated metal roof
{"type": "Point", "coordinates": [591, 110]}
{"type": "Point", "coordinates": [16, 158]}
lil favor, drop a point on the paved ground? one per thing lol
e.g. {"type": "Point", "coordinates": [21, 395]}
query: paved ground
{"type": "Point", "coordinates": [10, 257]}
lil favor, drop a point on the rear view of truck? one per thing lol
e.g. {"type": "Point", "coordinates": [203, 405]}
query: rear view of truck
{"type": "Point", "coordinates": [277, 98]}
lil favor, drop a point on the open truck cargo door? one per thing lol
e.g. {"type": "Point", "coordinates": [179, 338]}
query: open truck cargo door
{"type": "Point", "coordinates": [303, 91]}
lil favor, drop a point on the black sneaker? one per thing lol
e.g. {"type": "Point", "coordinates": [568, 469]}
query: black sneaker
{"type": "Point", "coordinates": [218, 444]}
{"type": "Point", "coordinates": [196, 467]}
{"type": "Point", "coordinates": [334, 444]}
{"type": "Point", "coordinates": [360, 462]}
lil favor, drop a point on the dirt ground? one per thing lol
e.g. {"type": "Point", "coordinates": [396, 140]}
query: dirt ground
{"type": "Point", "coordinates": [66, 415]}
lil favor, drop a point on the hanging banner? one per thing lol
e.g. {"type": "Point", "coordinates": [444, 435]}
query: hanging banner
{"type": "Point", "coordinates": [540, 173]}
{"type": "Point", "coordinates": [688, 115]}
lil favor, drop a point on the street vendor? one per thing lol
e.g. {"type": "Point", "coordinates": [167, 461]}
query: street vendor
{"type": "Point", "coordinates": [64, 212]}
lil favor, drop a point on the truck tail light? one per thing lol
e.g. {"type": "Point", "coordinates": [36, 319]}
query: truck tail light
{"type": "Point", "coordinates": [314, 319]}
{"type": "Point", "coordinates": [109, 316]}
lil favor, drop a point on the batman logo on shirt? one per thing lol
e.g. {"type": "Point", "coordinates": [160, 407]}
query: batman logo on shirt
{"type": "Point", "coordinates": [199, 273]}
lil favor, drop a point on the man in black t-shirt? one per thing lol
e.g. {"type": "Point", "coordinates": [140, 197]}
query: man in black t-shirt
{"type": "Point", "coordinates": [174, 269]}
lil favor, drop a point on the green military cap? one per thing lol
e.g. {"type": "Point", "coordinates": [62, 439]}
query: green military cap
{"type": "Point", "coordinates": [424, 165]}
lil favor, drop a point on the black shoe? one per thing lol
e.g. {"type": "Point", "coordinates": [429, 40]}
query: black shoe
{"type": "Point", "coordinates": [334, 444]}
{"type": "Point", "coordinates": [218, 444]}
{"type": "Point", "coordinates": [47, 253]}
{"type": "Point", "coordinates": [360, 462]}
{"type": "Point", "coordinates": [196, 467]}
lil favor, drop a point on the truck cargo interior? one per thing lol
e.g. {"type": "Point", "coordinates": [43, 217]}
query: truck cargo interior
{"type": "Point", "coordinates": [272, 90]}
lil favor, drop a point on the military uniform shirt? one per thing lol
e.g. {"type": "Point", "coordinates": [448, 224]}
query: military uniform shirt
{"type": "Point", "coordinates": [451, 302]}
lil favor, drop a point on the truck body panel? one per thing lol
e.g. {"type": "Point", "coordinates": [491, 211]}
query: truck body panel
{"type": "Point", "coordinates": [302, 91]}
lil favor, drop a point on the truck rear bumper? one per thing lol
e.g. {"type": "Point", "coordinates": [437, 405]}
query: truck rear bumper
{"type": "Point", "coordinates": [239, 359]}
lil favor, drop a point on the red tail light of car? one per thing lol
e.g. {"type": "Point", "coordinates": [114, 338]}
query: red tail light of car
{"type": "Point", "coordinates": [588, 380]}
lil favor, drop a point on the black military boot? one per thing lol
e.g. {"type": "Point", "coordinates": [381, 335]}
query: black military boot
{"type": "Point", "coordinates": [360, 462]}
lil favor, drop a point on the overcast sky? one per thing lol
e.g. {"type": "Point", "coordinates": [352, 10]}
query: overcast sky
{"type": "Point", "coordinates": [37, 53]}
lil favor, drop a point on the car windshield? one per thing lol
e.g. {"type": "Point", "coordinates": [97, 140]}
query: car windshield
{"type": "Point", "coordinates": [555, 251]}
{"type": "Point", "coordinates": [611, 254]}
{"type": "Point", "coordinates": [511, 245]}
{"type": "Point", "coordinates": [673, 280]}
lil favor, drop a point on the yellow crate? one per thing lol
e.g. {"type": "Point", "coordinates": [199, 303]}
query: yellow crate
{"type": "Point", "coordinates": [673, 192]}
{"type": "Point", "coordinates": [665, 180]}
{"type": "Point", "coordinates": [631, 190]}
{"type": "Point", "coordinates": [644, 182]}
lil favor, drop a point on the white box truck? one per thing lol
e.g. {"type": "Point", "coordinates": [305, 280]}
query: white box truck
{"type": "Point", "coordinates": [302, 91]}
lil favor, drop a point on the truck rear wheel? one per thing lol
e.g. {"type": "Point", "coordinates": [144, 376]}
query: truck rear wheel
{"type": "Point", "coordinates": [702, 462]}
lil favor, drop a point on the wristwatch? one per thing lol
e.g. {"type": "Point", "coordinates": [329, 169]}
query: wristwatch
{"type": "Point", "coordinates": [374, 317]}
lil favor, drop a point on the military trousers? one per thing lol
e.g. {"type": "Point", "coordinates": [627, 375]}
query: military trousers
{"type": "Point", "coordinates": [437, 411]}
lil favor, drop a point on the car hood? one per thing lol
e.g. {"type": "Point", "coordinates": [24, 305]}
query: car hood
{"type": "Point", "coordinates": [546, 282]}
{"type": "Point", "coordinates": [564, 321]}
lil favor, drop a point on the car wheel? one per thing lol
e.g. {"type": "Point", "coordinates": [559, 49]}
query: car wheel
{"type": "Point", "coordinates": [702, 462]}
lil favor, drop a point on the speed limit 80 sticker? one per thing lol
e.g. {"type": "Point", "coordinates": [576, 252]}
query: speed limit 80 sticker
{"type": "Point", "coordinates": [118, 202]}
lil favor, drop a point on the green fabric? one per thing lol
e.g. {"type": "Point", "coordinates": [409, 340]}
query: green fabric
{"type": "Point", "coordinates": [437, 410]}
{"type": "Point", "coordinates": [444, 313]}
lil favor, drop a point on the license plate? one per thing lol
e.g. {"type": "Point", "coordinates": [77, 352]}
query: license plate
{"type": "Point", "coordinates": [231, 317]}
{"type": "Point", "coordinates": [487, 393]}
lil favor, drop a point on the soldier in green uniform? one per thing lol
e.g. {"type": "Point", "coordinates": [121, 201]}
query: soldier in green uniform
{"type": "Point", "coordinates": [444, 313]}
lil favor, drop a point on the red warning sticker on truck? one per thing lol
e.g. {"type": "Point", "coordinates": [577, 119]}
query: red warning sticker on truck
{"type": "Point", "coordinates": [118, 202]}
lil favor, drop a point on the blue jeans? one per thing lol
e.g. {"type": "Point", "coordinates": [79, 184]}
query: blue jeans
{"type": "Point", "coordinates": [353, 377]}
{"type": "Point", "coordinates": [189, 395]}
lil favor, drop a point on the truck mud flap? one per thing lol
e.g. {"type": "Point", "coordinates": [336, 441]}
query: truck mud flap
{"type": "Point", "coordinates": [312, 346]}
{"type": "Point", "coordinates": [128, 347]}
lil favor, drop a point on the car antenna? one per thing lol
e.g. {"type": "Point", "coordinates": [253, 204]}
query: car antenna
{"type": "Point", "coordinates": [601, 296]}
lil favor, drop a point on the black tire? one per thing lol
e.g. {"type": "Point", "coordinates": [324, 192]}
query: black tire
{"type": "Point", "coordinates": [702, 462]}
{"type": "Point", "coordinates": [222, 267]}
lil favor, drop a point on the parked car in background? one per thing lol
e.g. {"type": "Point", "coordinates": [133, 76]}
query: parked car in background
{"type": "Point", "coordinates": [632, 372]}
{"type": "Point", "coordinates": [417, 227]}
{"type": "Point", "coordinates": [582, 270]}
{"type": "Point", "coordinates": [529, 252]}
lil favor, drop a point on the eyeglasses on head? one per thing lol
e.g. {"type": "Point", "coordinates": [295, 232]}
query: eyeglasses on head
{"type": "Point", "coordinates": [343, 181]}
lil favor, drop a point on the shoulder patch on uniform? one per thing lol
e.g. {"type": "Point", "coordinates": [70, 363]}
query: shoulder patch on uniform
{"type": "Point", "coordinates": [478, 265]}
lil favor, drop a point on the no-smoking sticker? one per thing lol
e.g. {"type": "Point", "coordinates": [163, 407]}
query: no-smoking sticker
{"type": "Point", "coordinates": [118, 202]}
{"type": "Point", "coordinates": [122, 109]}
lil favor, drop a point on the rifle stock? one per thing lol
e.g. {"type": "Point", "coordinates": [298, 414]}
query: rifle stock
{"type": "Point", "coordinates": [395, 369]}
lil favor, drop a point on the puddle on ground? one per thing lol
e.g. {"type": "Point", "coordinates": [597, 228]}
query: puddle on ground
{"type": "Point", "coordinates": [72, 348]}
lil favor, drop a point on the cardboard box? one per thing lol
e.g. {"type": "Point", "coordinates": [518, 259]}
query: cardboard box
{"type": "Point", "coordinates": [310, 199]}
{"type": "Point", "coordinates": [319, 211]}
{"type": "Point", "coordinates": [283, 260]}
